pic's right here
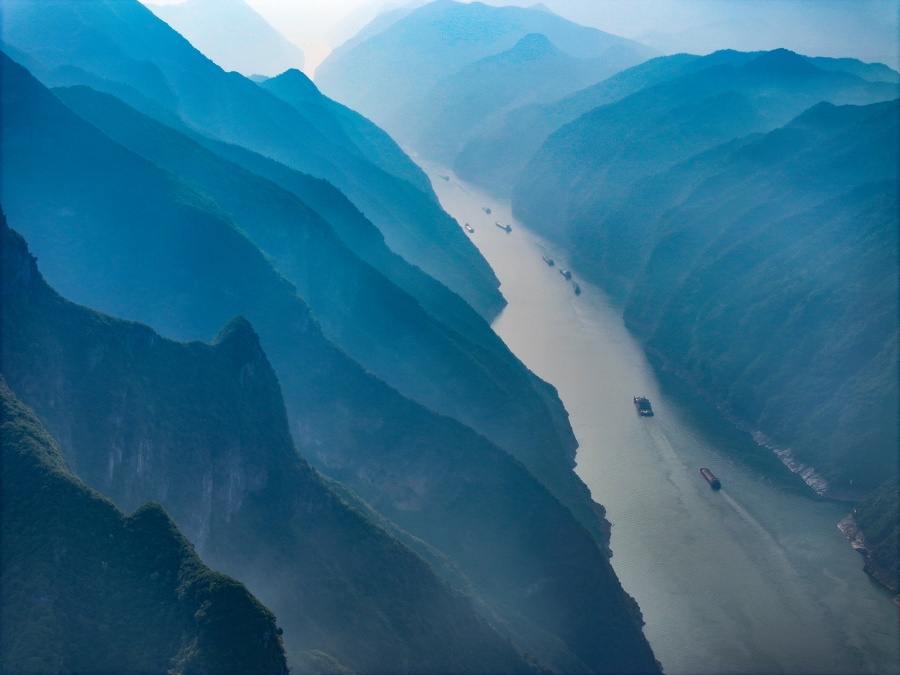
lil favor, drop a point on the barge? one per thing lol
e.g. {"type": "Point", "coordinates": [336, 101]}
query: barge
{"type": "Point", "coordinates": [549, 261]}
{"type": "Point", "coordinates": [566, 274]}
{"type": "Point", "coordinates": [469, 228]}
{"type": "Point", "coordinates": [505, 228]}
{"type": "Point", "coordinates": [643, 407]}
{"type": "Point", "coordinates": [714, 482]}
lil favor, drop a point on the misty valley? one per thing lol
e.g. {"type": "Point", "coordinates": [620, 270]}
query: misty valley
{"type": "Point", "coordinates": [486, 341]}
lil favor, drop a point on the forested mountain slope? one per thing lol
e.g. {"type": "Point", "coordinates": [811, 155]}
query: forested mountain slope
{"type": "Point", "coordinates": [85, 588]}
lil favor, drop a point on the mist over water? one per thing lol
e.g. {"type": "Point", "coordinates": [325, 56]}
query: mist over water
{"type": "Point", "coordinates": [753, 578]}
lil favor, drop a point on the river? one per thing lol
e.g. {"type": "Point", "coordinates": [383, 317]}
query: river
{"type": "Point", "coordinates": [752, 578]}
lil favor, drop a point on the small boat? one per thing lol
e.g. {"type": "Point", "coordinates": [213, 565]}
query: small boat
{"type": "Point", "coordinates": [549, 261]}
{"type": "Point", "coordinates": [486, 210]}
{"type": "Point", "coordinates": [714, 482]}
{"type": "Point", "coordinates": [577, 288]}
{"type": "Point", "coordinates": [469, 228]}
{"type": "Point", "coordinates": [642, 404]}
{"type": "Point", "coordinates": [505, 228]}
{"type": "Point", "coordinates": [566, 274]}
{"type": "Point", "coordinates": [446, 178]}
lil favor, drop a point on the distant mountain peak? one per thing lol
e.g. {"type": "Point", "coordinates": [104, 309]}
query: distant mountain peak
{"type": "Point", "coordinates": [781, 63]}
{"type": "Point", "coordinates": [532, 47]}
{"type": "Point", "coordinates": [297, 82]}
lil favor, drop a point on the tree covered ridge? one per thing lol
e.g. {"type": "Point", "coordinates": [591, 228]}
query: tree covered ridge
{"type": "Point", "coordinates": [86, 589]}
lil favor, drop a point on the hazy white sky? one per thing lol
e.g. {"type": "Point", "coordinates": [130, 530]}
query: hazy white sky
{"type": "Point", "coordinates": [865, 29]}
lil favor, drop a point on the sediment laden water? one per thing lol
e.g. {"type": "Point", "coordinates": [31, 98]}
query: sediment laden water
{"type": "Point", "coordinates": [755, 577]}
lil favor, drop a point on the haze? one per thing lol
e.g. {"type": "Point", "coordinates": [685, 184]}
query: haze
{"type": "Point", "coordinates": [866, 30]}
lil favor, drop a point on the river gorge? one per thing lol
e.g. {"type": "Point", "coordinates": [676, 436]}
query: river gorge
{"type": "Point", "coordinates": [755, 577]}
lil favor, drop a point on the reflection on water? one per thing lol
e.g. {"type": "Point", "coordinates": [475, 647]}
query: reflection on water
{"type": "Point", "coordinates": [752, 578]}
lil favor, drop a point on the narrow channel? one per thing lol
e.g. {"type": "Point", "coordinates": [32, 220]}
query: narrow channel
{"type": "Point", "coordinates": [751, 578]}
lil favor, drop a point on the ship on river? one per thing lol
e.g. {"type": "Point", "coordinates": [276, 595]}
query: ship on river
{"type": "Point", "coordinates": [566, 274]}
{"type": "Point", "coordinates": [469, 228]}
{"type": "Point", "coordinates": [576, 288]}
{"type": "Point", "coordinates": [714, 482]}
{"type": "Point", "coordinates": [505, 228]}
{"type": "Point", "coordinates": [643, 407]}
{"type": "Point", "coordinates": [549, 261]}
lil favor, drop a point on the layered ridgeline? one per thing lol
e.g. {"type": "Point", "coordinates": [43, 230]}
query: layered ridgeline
{"type": "Point", "coordinates": [85, 588]}
{"type": "Point", "coordinates": [584, 168]}
{"type": "Point", "coordinates": [496, 157]}
{"type": "Point", "coordinates": [463, 370]}
{"type": "Point", "coordinates": [442, 74]}
{"type": "Point", "coordinates": [232, 34]}
{"type": "Point", "coordinates": [761, 267]}
{"type": "Point", "coordinates": [543, 581]}
{"type": "Point", "coordinates": [201, 429]}
{"type": "Point", "coordinates": [120, 47]}
{"type": "Point", "coordinates": [508, 404]}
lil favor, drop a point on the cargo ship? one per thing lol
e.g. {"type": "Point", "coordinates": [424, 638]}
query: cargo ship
{"type": "Point", "coordinates": [642, 404]}
{"type": "Point", "coordinates": [506, 228]}
{"type": "Point", "coordinates": [566, 274]}
{"type": "Point", "coordinates": [469, 228]}
{"type": "Point", "coordinates": [714, 482]}
{"type": "Point", "coordinates": [486, 210]}
{"type": "Point", "coordinates": [549, 261]}
{"type": "Point", "coordinates": [577, 288]}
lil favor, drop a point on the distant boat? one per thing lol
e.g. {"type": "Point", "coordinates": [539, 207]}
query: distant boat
{"type": "Point", "coordinates": [469, 228]}
{"type": "Point", "coordinates": [486, 210]}
{"type": "Point", "coordinates": [447, 178]}
{"type": "Point", "coordinates": [505, 228]}
{"type": "Point", "coordinates": [642, 404]}
{"type": "Point", "coordinates": [566, 274]}
{"type": "Point", "coordinates": [549, 261]}
{"type": "Point", "coordinates": [577, 288]}
{"type": "Point", "coordinates": [714, 482]}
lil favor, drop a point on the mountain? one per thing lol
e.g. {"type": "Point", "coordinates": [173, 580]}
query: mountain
{"type": "Point", "coordinates": [495, 157]}
{"type": "Point", "coordinates": [763, 272]}
{"type": "Point", "coordinates": [202, 429]}
{"type": "Point", "coordinates": [590, 163]}
{"type": "Point", "coordinates": [467, 103]}
{"type": "Point", "coordinates": [181, 265]}
{"type": "Point", "coordinates": [399, 68]}
{"type": "Point", "coordinates": [85, 588]}
{"type": "Point", "coordinates": [363, 313]}
{"type": "Point", "coordinates": [874, 526]}
{"type": "Point", "coordinates": [345, 126]}
{"type": "Point", "coordinates": [233, 35]}
{"type": "Point", "coordinates": [121, 48]}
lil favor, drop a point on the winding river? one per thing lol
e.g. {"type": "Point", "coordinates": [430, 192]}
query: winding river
{"type": "Point", "coordinates": [753, 578]}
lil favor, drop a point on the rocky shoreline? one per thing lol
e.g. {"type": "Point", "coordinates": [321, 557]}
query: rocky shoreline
{"type": "Point", "coordinates": [850, 529]}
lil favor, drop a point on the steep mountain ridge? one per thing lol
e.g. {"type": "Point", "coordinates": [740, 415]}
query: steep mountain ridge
{"type": "Point", "coordinates": [76, 569]}
{"type": "Point", "coordinates": [144, 418]}
{"type": "Point", "coordinates": [233, 35]}
{"type": "Point", "coordinates": [120, 47]}
{"type": "Point", "coordinates": [385, 330]}
{"type": "Point", "coordinates": [403, 458]}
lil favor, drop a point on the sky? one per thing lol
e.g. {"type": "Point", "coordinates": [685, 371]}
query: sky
{"type": "Point", "coordinates": [864, 29]}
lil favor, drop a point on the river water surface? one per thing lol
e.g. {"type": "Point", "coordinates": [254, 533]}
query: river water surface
{"type": "Point", "coordinates": [753, 578]}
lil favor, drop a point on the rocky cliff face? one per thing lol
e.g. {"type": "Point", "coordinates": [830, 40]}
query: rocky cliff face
{"type": "Point", "coordinates": [86, 588]}
{"type": "Point", "coordinates": [202, 430]}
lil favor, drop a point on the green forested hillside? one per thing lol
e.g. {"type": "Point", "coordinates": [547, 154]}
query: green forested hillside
{"type": "Point", "coordinates": [202, 430]}
{"type": "Point", "coordinates": [85, 588]}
